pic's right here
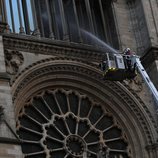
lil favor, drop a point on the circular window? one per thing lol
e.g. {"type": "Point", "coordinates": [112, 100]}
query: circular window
{"type": "Point", "coordinates": [67, 124]}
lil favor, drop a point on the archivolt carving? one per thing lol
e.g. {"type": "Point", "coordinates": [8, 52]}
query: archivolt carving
{"type": "Point", "coordinates": [13, 60]}
{"type": "Point", "coordinates": [52, 47]}
{"type": "Point", "coordinates": [90, 72]}
{"type": "Point", "coordinates": [53, 59]}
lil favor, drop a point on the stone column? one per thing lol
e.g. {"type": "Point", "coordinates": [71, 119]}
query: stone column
{"type": "Point", "coordinates": [123, 25]}
{"type": "Point", "coordinates": [1, 17]}
{"type": "Point", "coordinates": [9, 142]}
{"type": "Point", "coordinates": [150, 8]}
{"type": "Point", "coordinates": [152, 150]}
{"type": "Point", "coordinates": [150, 59]}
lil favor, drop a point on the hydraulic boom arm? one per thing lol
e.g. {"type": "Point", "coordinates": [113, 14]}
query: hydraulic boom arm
{"type": "Point", "coordinates": [118, 67]}
{"type": "Point", "coordinates": [147, 80]}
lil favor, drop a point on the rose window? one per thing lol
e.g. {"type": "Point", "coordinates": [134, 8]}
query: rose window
{"type": "Point", "coordinates": [67, 124]}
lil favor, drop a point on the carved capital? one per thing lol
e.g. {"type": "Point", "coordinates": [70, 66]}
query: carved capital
{"type": "Point", "coordinates": [13, 59]}
{"type": "Point", "coordinates": [4, 27]}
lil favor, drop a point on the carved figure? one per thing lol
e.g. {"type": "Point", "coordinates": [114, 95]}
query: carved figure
{"type": "Point", "coordinates": [13, 60]}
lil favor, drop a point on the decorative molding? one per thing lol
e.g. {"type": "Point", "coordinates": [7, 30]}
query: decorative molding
{"type": "Point", "coordinates": [13, 59]}
{"type": "Point", "coordinates": [9, 141]}
{"type": "Point", "coordinates": [96, 66]}
{"type": "Point", "coordinates": [52, 47]}
{"type": "Point", "coordinates": [115, 87]}
{"type": "Point", "coordinates": [135, 109]}
{"type": "Point", "coordinates": [4, 76]}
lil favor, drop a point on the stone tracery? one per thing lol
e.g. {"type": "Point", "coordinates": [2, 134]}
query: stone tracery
{"type": "Point", "coordinates": [65, 123]}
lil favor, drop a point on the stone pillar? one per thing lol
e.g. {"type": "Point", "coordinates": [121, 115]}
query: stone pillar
{"type": "Point", "coordinates": [152, 150]}
{"type": "Point", "coordinates": [150, 59]}
{"type": "Point", "coordinates": [150, 8]}
{"type": "Point", "coordinates": [123, 25]}
{"type": "Point", "coordinates": [9, 142]}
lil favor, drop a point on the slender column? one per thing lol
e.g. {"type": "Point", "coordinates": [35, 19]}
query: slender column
{"type": "Point", "coordinates": [157, 151]}
{"type": "Point", "coordinates": [4, 11]}
{"type": "Point", "coordinates": [36, 31]}
{"type": "Point", "coordinates": [20, 18]}
{"type": "Point", "coordinates": [1, 15]}
{"type": "Point", "coordinates": [63, 21]}
{"type": "Point", "coordinates": [26, 19]}
{"type": "Point", "coordinates": [76, 17]}
{"type": "Point", "coordinates": [12, 15]}
{"type": "Point", "coordinates": [89, 16]}
{"type": "Point", "coordinates": [103, 21]}
{"type": "Point", "coordinates": [120, 156]}
{"type": "Point", "coordinates": [150, 151]}
{"type": "Point", "coordinates": [56, 30]}
{"type": "Point", "coordinates": [49, 20]}
{"type": "Point", "coordinates": [40, 18]}
{"type": "Point", "coordinates": [150, 154]}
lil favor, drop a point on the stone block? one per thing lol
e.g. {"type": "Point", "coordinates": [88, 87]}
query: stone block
{"type": "Point", "coordinates": [10, 151]}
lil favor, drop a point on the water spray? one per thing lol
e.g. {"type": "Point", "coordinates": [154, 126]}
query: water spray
{"type": "Point", "coordinates": [99, 41]}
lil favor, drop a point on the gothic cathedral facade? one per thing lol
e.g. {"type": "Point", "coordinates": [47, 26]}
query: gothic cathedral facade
{"type": "Point", "coordinates": [54, 102]}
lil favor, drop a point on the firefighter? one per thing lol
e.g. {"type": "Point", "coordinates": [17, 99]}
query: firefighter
{"type": "Point", "coordinates": [127, 51]}
{"type": "Point", "coordinates": [130, 62]}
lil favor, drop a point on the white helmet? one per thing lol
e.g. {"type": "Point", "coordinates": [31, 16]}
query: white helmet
{"type": "Point", "coordinates": [127, 49]}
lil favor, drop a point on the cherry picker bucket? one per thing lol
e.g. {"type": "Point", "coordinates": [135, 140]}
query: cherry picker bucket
{"type": "Point", "coordinates": [117, 67]}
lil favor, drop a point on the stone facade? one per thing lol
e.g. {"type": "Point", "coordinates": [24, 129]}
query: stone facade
{"type": "Point", "coordinates": [32, 67]}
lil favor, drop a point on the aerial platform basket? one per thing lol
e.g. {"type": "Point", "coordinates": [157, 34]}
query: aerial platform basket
{"type": "Point", "coordinates": [118, 67]}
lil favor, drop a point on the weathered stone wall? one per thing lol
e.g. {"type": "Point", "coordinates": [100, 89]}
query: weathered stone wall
{"type": "Point", "coordinates": [137, 28]}
{"type": "Point", "coordinates": [10, 151]}
{"type": "Point", "coordinates": [7, 123]}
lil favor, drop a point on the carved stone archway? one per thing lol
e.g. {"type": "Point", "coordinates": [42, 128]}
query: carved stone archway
{"type": "Point", "coordinates": [61, 78]}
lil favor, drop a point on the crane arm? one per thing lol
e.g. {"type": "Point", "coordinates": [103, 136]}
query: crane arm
{"type": "Point", "coordinates": [118, 67]}
{"type": "Point", "coordinates": [147, 80]}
